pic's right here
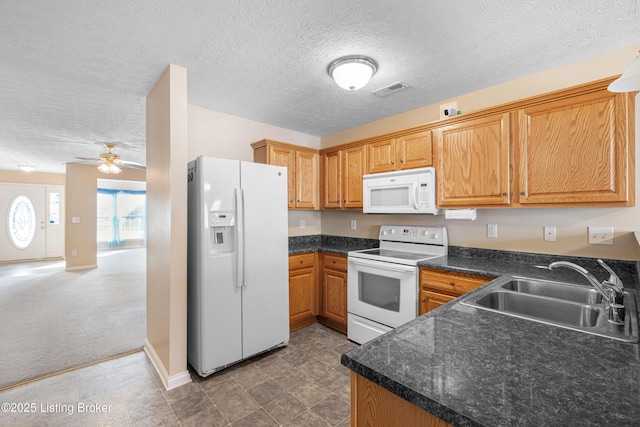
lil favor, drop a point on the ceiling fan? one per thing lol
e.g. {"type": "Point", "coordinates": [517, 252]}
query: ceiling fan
{"type": "Point", "coordinates": [111, 163]}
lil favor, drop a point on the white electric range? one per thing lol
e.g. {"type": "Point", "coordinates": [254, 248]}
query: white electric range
{"type": "Point", "coordinates": [383, 282]}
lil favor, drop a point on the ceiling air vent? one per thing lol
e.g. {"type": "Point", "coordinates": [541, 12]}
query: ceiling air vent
{"type": "Point", "coordinates": [391, 89]}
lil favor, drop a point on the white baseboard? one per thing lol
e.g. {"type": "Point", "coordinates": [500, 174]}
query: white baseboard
{"type": "Point", "coordinates": [169, 382]}
{"type": "Point", "coordinates": [81, 267]}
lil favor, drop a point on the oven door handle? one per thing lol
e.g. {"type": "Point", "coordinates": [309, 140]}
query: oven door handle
{"type": "Point", "coordinates": [382, 265]}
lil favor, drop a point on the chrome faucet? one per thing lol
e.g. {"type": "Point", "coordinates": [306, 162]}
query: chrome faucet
{"type": "Point", "coordinates": [612, 289]}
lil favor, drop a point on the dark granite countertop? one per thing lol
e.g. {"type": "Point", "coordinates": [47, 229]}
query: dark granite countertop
{"type": "Point", "coordinates": [325, 243]}
{"type": "Point", "coordinates": [473, 367]}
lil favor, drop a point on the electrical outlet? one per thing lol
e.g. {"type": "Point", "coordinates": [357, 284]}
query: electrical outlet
{"type": "Point", "coordinates": [74, 252]}
{"type": "Point", "coordinates": [449, 109]}
{"type": "Point", "coordinates": [302, 224]}
{"type": "Point", "coordinates": [492, 231]}
{"type": "Point", "coordinates": [601, 235]}
{"type": "Point", "coordinates": [353, 224]}
{"type": "Point", "coordinates": [550, 234]}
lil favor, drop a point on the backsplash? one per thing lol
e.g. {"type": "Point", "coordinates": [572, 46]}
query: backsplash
{"type": "Point", "coordinates": [626, 270]}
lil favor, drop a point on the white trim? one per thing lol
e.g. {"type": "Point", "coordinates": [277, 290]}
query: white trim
{"type": "Point", "coordinates": [169, 382]}
{"type": "Point", "coordinates": [81, 267]}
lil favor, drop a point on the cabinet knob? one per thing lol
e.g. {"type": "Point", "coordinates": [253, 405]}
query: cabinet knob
{"type": "Point", "coordinates": [301, 262]}
{"type": "Point", "coordinates": [522, 193]}
{"type": "Point", "coordinates": [452, 283]}
{"type": "Point", "coordinates": [298, 200]}
{"type": "Point", "coordinates": [392, 162]}
{"type": "Point", "coordinates": [333, 261]}
{"type": "Point", "coordinates": [423, 300]}
{"type": "Point", "coordinates": [504, 194]}
{"type": "Point", "coordinates": [401, 161]}
{"type": "Point", "coordinates": [344, 201]}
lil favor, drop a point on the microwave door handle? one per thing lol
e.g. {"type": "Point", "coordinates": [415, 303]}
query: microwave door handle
{"type": "Point", "coordinates": [415, 196]}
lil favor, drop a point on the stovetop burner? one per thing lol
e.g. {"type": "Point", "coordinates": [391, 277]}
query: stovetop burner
{"type": "Point", "coordinates": [407, 244]}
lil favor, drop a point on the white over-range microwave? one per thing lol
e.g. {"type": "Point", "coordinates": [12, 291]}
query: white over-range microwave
{"type": "Point", "coordinates": [412, 191]}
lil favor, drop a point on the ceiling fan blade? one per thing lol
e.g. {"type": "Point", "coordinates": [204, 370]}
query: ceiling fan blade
{"type": "Point", "coordinates": [129, 163]}
{"type": "Point", "coordinates": [89, 158]}
{"type": "Point", "coordinates": [134, 165]}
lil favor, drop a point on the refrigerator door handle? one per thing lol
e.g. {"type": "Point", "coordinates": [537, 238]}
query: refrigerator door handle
{"type": "Point", "coordinates": [239, 199]}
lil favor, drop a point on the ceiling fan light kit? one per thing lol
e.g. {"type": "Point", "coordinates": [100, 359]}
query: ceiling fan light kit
{"type": "Point", "coordinates": [109, 168]}
{"type": "Point", "coordinates": [352, 72]}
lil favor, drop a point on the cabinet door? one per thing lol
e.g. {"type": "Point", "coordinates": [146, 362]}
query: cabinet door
{"type": "Point", "coordinates": [354, 168]}
{"type": "Point", "coordinates": [331, 180]}
{"type": "Point", "coordinates": [280, 156]}
{"type": "Point", "coordinates": [382, 156]}
{"type": "Point", "coordinates": [414, 151]}
{"type": "Point", "coordinates": [306, 180]}
{"type": "Point", "coordinates": [334, 295]}
{"type": "Point", "coordinates": [430, 300]}
{"type": "Point", "coordinates": [301, 294]}
{"type": "Point", "coordinates": [576, 150]}
{"type": "Point", "coordinates": [473, 162]}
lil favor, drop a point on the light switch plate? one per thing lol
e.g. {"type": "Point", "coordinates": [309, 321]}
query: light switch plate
{"type": "Point", "coordinates": [353, 224]}
{"type": "Point", "coordinates": [492, 231]}
{"type": "Point", "coordinates": [302, 224]}
{"type": "Point", "coordinates": [601, 235]}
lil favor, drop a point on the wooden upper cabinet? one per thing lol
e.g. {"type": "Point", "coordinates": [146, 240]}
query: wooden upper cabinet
{"type": "Point", "coordinates": [406, 152]}
{"type": "Point", "coordinates": [331, 180]}
{"type": "Point", "coordinates": [342, 172]}
{"type": "Point", "coordinates": [307, 174]}
{"type": "Point", "coordinates": [302, 168]}
{"type": "Point", "coordinates": [282, 156]}
{"type": "Point", "coordinates": [414, 151]}
{"type": "Point", "coordinates": [473, 162]}
{"type": "Point", "coordinates": [382, 156]}
{"type": "Point", "coordinates": [354, 167]}
{"type": "Point", "coordinates": [577, 150]}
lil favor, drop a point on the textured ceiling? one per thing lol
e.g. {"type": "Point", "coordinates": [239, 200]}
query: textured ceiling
{"type": "Point", "coordinates": [75, 74]}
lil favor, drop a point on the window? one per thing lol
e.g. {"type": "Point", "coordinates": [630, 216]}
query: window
{"type": "Point", "coordinates": [54, 208]}
{"type": "Point", "coordinates": [121, 218]}
{"type": "Point", "coordinates": [22, 222]}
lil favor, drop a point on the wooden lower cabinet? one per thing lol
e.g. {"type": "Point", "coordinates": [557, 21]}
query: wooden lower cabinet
{"type": "Point", "coordinates": [438, 287]}
{"type": "Point", "coordinates": [303, 306]}
{"type": "Point", "coordinates": [333, 311]}
{"type": "Point", "coordinates": [372, 405]}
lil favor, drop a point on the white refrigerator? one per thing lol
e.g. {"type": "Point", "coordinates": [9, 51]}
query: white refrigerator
{"type": "Point", "coordinates": [237, 278]}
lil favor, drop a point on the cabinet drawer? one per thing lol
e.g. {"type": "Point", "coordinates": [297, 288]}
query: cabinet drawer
{"type": "Point", "coordinates": [335, 261]}
{"type": "Point", "coordinates": [451, 283]}
{"type": "Point", "coordinates": [301, 261]}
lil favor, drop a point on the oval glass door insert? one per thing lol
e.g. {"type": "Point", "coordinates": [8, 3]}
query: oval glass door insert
{"type": "Point", "coordinates": [22, 222]}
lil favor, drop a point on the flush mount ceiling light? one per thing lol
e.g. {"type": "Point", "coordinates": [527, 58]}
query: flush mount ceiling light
{"type": "Point", "coordinates": [629, 81]}
{"type": "Point", "coordinates": [352, 72]}
{"type": "Point", "coordinates": [26, 168]}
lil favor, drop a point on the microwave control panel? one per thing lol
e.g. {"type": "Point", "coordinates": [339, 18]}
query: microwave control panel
{"type": "Point", "coordinates": [426, 195]}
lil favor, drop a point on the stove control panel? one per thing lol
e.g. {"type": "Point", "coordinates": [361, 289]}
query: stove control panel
{"type": "Point", "coordinates": [414, 234]}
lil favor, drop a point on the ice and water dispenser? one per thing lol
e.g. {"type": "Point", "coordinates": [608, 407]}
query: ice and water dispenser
{"type": "Point", "coordinates": [222, 228]}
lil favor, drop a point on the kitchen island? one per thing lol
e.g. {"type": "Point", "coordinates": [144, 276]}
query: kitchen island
{"type": "Point", "coordinates": [472, 367]}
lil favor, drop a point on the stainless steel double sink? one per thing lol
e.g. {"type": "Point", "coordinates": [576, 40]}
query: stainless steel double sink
{"type": "Point", "coordinates": [565, 305]}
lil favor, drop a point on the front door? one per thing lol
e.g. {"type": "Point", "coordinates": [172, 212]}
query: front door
{"type": "Point", "coordinates": [22, 222]}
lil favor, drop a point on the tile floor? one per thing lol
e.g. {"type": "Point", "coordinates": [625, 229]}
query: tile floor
{"type": "Point", "coordinates": [302, 384]}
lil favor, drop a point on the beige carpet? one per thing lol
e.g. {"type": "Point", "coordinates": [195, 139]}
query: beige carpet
{"type": "Point", "coordinates": [52, 320]}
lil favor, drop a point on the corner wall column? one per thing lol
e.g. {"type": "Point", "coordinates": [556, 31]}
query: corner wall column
{"type": "Point", "coordinates": [166, 343]}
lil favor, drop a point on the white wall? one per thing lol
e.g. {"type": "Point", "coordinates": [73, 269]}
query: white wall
{"type": "Point", "coordinates": [216, 134]}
